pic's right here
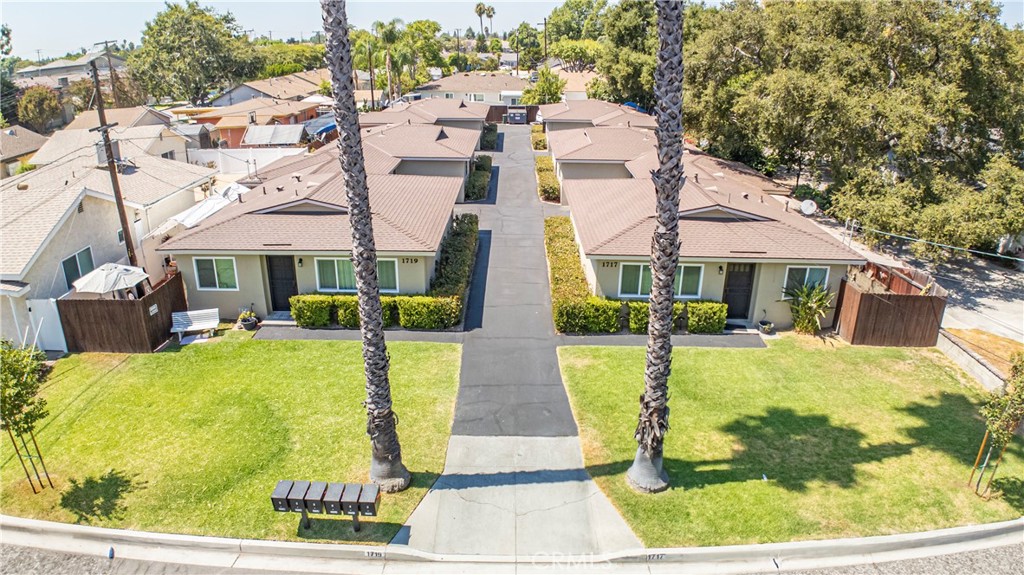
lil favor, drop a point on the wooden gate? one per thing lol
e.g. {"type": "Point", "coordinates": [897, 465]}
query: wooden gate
{"type": "Point", "coordinates": [892, 307]}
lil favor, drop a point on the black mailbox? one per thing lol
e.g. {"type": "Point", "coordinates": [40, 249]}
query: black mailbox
{"type": "Point", "coordinates": [350, 499]}
{"type": "Point", "coordinates": [296, 497]}
{"type": "Point", "coordinates": [279, 498]}
{"type": "Point", "coordinates": [314, 497]}
{"type": "Point", "coordinates": [368, 499]}
{"type": "Point", "coordinates": [332, 498]}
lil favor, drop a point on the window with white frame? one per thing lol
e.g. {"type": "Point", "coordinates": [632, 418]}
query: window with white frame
{"type": "Point", "coordinates": [635, 281]}
{"type": "Point", "coordinates": [338, 274]}
{"type": "Point", "coordinates": [77, 265]}
{"type": "Point", "coordinates": [478, 97]}
{"type": "Point", "coordinates": [449, 96]}
{"type": "Point", "coordinates": [216, 274]}
{"type": "Point", "coordinates": [797, 276]}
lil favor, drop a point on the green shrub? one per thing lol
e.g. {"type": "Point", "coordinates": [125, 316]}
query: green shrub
{"type": "Point", "coordinates": [346, 311]}
{"type": "Point", "coordinates": [544, 164]}
{"type": "Point", "coordinates": [548, 187]}
{"type": "Point", "coordinates": [537, 129]}
{"type": "Point", "coordinates": [454, 266]}
{"type": "Point", "coordinates": [590, 315]}
{"type": "Point", "coordinates": [539, 141]}
{"type": "Point", "coordinates": [489, 140]}
{"type": "Point", "coordinates": [476, 187]}
{"type": "Point", "coordinates": [809, 304]}
{"type": "Point", "coordinates": [425, 312]}
{"type": "Point", "coordinates": [574, 309]}
{"type": "Point", "coordinates": [640, 315]}
{"type": "Point", "coordinates": [706, 316]}
{"type": "Point", "coordinates": [483, 163]}
{"type": "Point", "coordinates": [389, 306]}
{"type": "Point", "coordinates": [311, 310]}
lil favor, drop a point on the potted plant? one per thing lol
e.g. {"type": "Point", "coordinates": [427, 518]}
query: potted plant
{"type": "Point", "coordinates": [766, 326]}
{"type": "Point", "coordinates": [247, 319]}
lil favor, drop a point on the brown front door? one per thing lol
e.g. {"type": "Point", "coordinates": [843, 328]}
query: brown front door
{"type": "Point", "coordinates": [281, 271]}
{"type": "Point", "coordinates": [739, 285]}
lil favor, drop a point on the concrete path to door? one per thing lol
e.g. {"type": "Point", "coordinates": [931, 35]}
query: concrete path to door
{"type": "Point", "coordinates": [514, 481]}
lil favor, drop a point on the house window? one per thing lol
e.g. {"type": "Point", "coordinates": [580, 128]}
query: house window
{"type": "Point", "coordinates": [635, 281]}
{"type": "Point", "coordinates": [168, 155]}
{"type": "Point", "coordinates": [478, 97]}
{"type": "Point", "coordinates": [339, 275]}
{"type": "Point", "coordinates": [120, 236]}
{"type": "Point", "coordinates": [77, 266]}
{"type": "Point", "coordinates": [798, 276]}
{"type": "Point", "coordinates": [448, 96]}
{"type": "Point", "coordinates": [513, 101]}
{"type": "Point", "coordinates": [216, 274]}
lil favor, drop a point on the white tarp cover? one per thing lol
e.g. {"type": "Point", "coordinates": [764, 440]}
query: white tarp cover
{"type": "Point", "coordinates": [110, 277]}
{"type": "Point", "coordinates": [273, 135]}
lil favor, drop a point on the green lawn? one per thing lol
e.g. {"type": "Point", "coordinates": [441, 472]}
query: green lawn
{"type": "Point", "coordinates": [193, 440]}
{"type": "Point", "coordinates": [853, 441]}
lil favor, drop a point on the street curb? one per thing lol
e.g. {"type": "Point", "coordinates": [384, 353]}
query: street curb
{"type": "Point", "coordinates": [227, 552]}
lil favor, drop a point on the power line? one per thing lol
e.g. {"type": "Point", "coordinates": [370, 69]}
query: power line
{"type": "Point", "coordinates": [945, 246]}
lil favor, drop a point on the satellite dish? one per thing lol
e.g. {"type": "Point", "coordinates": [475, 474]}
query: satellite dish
{"type": "Point", "coordinates": [808, 207]}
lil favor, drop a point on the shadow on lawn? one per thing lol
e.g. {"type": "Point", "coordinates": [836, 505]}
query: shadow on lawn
{"type": "Point", "coordinates": [788, 448]}
{"type": "Point", "coordinates": [1012, 489]}
{"type": "Point", "coordinates": [97, 498]}
{"type": "Point", "coordinates": [952, 425]}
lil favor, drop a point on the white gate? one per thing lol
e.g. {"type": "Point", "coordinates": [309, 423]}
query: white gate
{"type": "Point", "coordinates": [46, 330]}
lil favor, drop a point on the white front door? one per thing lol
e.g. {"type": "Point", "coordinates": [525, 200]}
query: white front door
{"type": "Point", "coordinates": [46, 331]}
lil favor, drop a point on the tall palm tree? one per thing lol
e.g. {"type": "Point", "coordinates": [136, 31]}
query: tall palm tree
{"type": "Point", "coordinates": [480, 10]}
{"type": "Point", "coordinates": [386, 468]}
{"type": "Point", "coordinates": [363, 48]}
{"type": "Point", "coordinates": [490, 18]}
{"type": "Point", "coordinates": [647, 474]}
{"type": "Point", "coordinates": [388, 33]}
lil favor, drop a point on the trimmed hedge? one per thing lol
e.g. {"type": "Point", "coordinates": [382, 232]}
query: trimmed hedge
{"type": "Point", "coordinates": [706, 316]}
{"type": "Point", "coordinates": [312, 310]}
{"type": "Point", "coordinates": [489, 140]}
{"type": "Point", "coordinates": [346, 311]}
{"type": "Point", "coordinates": [640, 316]}
{"type": "Point", "coordinates": [483, 163]}
{"type": "Point", "coordinates": [537, 129]}
{"type": "Point", "coordinates": [454, 266]}
{"type": "Point", "coordinates": [425, 312]}
{"type": "Point", "coordinates": [539, 141]}
{"type": "Point", "coordinates": [476, 186]}
{"type": "Point", "coordinates": [548, 187]}
{"type": "Point", "coordinates": [573, 308]}
{"type": "Point", "coordinates": [544, 164]}
{"type": "Point", "coordinates": [590, 315]}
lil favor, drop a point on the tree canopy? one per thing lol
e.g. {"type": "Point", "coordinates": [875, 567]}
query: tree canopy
{"type": "Point", "coordinates": [38, 107]}
{"type": "Point", "coordinates": [22, 372]}
{"type": "Point", "coordinates": [547, 89]}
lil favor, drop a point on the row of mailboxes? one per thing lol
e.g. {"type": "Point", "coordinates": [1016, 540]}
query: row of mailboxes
{"type": "Point", "coordinates": [331, 498]}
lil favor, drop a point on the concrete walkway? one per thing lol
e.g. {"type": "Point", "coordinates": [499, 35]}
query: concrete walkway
{"type": "Point", "coordinates": [514, 482]}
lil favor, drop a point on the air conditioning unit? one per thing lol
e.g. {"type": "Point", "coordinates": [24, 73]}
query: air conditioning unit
{"type": "Point", "coordinates": [101, 152]}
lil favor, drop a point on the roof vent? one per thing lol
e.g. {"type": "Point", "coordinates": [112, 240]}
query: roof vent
{"type": "Point", "coordinates": [280, 188]}
{"type": "Point", "coordinates": [297, 176]}
{"type": "Point", "coordinates": [23, 186]}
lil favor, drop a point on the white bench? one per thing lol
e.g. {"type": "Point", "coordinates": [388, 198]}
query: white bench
{"type": "Point", "coordinates": [198, 320]}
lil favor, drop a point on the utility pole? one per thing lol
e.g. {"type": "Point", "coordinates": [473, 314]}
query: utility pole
{"type": "Point", "coordinates": [110, 69]}
{"type": "Point", "coordinates": [104, 129]}
{"type": "Point", "coordinates": [545, 41]}
{"type": "Point", "coordinates": [39, 56]}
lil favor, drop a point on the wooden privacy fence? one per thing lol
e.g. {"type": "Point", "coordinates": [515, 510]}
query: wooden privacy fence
{"type": "Point", "coordinates": [123, 325]}
{"type": "Point", "coordinates": [890, 307]}
{"type": "Point", "coordinates": [497, 111]}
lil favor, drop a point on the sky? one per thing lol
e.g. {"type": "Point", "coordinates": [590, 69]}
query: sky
{"type": "Point", "coordinates": [55, 28]}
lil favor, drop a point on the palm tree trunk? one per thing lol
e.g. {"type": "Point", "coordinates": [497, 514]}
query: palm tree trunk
{"type": "Point", "coordinates": [386, 468]}
{"type": "Point", "coordinates": [387, 64]}
{"type": "Point", "coordinates": [647, 474]}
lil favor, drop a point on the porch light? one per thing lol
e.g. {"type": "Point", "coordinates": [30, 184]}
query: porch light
{"type": "Point", "coordinates": [300, 262]}
{"type": "Point", "coordinates": [721, 270]}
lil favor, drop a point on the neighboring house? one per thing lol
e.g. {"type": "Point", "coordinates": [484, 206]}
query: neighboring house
{"type": "Point", "coordinates": [575, 114]}
{"type": "Point", "coordinates": [737, 243]}
{"type": "Point", "coordinates": [67, 71]}
{"type": "Point", "coordinates": [596, 153]}
{"type": "Point", "coordinates": [123, 117]}
{"type": "Point", "coordinates": [274, 136]}
{"type": "Point", "coordinates": [289, 87]}
{"type": "Point", "coordinates": [508, 60]}
{"type": "Point", "coordinates": [496, 88]}
{"type": "Point", "coordinates": [232, 121]}
{"type": "Point", "coordinates": [293, 236]}
{"type": "Point", "coordinates": [575, 83]}
{"type": "Point", "coordinates": [197, 136]}
{"type": "Point", "coordinates": [404, 149]}
{"type": "Point", "coordinates": [60, 221]}
{"type": "Point", "coordinates": [453, 113]}
{"type": "Point", "coordinates": [155, 140]}
{"type": "Point", "coordinates": [17, 145]}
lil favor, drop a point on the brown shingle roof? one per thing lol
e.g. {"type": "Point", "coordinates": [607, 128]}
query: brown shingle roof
{"type": "Point", "coordinates": [616, 217]}
{"type": "Point", "coordinates": [124, 117]}
{"type": "Point", "coordinates": [426, 111]}
{"type": "Point", "coordinates": [576, 81]}
{"type": "Point", "coordinates": [598, 112]}
{"type": "Point", "coordinates": [267, 109]}
{"type": "Point", "coordinates": [410, 214]}
{"type": "Point", "coordinates": [17, 141]}
{"type": "Point", "coordinates": [476, 82]}
{"type": "Point", "coordinates": [132, 141]}
{"type": "Point", "coordinates": [601, 144]}
{"type": "Point", "coordinates": [422, 141]}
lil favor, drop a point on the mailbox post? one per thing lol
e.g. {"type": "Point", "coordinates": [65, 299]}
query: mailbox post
{"type": "Point", "coordinates": [350, 503]}
{"type": "Point", "coordinates": [297, 500]}
{"type": "Point", "coordinates": [330, 498]}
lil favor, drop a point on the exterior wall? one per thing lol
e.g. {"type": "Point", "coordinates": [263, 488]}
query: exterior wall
{"type": "Point", "coordinates": [569, 95]}
{"type": "Point", "coordinates": [606, 277]}
{"type": "Point", "coordinates": [768, 293]}
{"type": "Point", "coordinates": [240, 93]}
{"type": "Point", "coordinates": [233, 136]}
{"type": "Point", "coordinates": [151, 118]}
{"type": "Point", "coordinates": [158, 213]}
{"type": "Point", "coordinates": [11, 165]}
{"type": "Point", "coordinates": [489, 97]}
{"type": "Point", "coordinates": [591, 171]}
{"type": "Point", "coordinates": [477, 125]}
{"type": "Point", "coordinates": [556, 126]}
{"type": "Point", "coordinates": [95, 227]}
{"type": "Point", "coordinates": [14, 320]}
{"type": "Point", "coordinates": [251, 286]}
{"type": "Point", "coordinates": [170, 142]}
